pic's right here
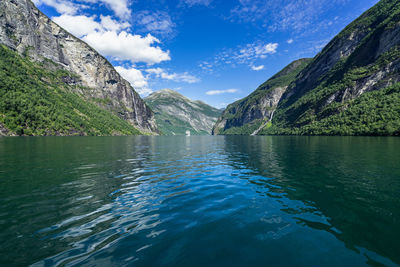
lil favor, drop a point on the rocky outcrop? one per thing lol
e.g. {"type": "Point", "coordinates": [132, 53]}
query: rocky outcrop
{"type": "Point", "coordinates": [176, 114]}
{"type": "Point", "coordinates": [25, 29]}
{"type": "Point", "coordinates": [4, 131]}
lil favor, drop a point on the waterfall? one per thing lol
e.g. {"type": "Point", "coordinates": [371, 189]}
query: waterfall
{"type": "Point", "coordinates": [263, 125]}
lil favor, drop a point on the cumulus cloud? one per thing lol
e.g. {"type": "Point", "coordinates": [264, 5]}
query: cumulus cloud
{"type": "Point", "coordinates": [290, 41]}
{"type": "Point", "coordinates": [257, 68]}
{"type": "Point", "coordinates": [136, 78]}
{"type": "Point", "coordinates": [83, 25]}
{"type": "Point", "coordinates": [176, 77]}
{"type": "Point", "coordinates": [219, 92]}
{"type": "Point", "coordinates": [108, 39]}
{"type": "Point", "coordinates": [125, 46]}
{"type": "Point", "coordinates": [78, 25]}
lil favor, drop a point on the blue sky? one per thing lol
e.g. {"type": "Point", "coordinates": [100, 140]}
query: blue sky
{"type": "Point", "coordinates": [217, 51]}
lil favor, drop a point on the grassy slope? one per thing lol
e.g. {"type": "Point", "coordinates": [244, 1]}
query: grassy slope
{"type": "Point", "coordinates": [35, 101]}
{"type": "Point", "coordinates": [236, 110]}
{"type": "Point", "coordinates": [374, 113]}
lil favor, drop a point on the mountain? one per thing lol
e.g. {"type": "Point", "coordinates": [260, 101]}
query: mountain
{"type": "Point", "coordinates": [350, 88]}
{"type": "Point", "coordinates": [245, 116]}
{"type": "Point", "coordinates": [52, 83]}
{"type": "Point", "coordinates": [175, 113]}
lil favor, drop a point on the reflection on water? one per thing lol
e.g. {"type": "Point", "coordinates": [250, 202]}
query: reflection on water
{"type": "Point", "coordinates": [120, 201]}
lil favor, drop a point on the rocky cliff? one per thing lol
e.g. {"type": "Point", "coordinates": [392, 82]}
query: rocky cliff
{"type": "Point", "coordinates": [26, 30]}
{"type": "Point", "coordinates": [352, 86]}
{"type": "Point", "coordinates": [176, 114]}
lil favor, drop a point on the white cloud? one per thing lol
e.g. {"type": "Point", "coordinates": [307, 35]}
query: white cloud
{"type": "Point", "coordinates": [106, 38]}
{"type": "Point", "coordinates": [78, 25]}
{"type": "Point", "coordinates": [219, 92]}
{"type": "Point", "coordinates": [206, 66]}
{"type": "Point", "coordinates": [251, 52]}
{"type": "Point", "coordinates": [112, 25]}
{"type": "Point", "coordinates": [120, 7]}
{"type": "Point", "coordinates": [125, 46]}
{"type": "Point", "coordinates": [248, 54]}
{"type": "Point", "coordinates": [83, 25]}
{"type": "Point", "coordinates": [158, 22]}
{"type": "Point", "coordinates": [136, 78]}
{"type": "Point", "coordinates": [290, 41]}
{"type": "Point", "coordinates": [257, 68]}
{"type": "Point", "coordinates": [176, 77]}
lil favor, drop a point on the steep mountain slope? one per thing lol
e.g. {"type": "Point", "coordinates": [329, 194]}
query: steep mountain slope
{"type": "Point", "coordinates": [175, 114]}
{"type": "Point", "coordinates": [352, 86]}
{"type": "Point", "coordinates": [245, 116]}
{"type": "Point", "coordinates": [36, 101]}
{"type": "Point", "coordinates": [24, 29]}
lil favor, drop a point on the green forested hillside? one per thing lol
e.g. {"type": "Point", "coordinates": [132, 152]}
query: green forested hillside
{"type": "Point", "coordinates": [36, 101]}
{"type": "Point", "coordinates": [372, 113]}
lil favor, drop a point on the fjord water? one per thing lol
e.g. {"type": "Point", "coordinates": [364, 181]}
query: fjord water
{"type": "Point", "coordinates": [201, 200]}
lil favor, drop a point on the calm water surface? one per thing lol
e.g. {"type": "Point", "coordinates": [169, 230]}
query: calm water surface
{"type": "Point", "coordinates": [196, 201]}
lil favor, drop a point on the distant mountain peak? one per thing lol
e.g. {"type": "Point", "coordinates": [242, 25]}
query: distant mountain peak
{"type": "Point", "coordinates": [176, 114]}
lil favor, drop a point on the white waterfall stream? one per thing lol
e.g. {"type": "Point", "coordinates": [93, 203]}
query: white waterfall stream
{"type": "Point", "coordinates": [263, 125]}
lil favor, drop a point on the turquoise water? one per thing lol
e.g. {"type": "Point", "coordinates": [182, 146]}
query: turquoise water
{"type": "Point", "coordinates": [195, 201]}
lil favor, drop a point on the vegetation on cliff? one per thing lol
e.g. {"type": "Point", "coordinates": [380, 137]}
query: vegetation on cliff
{"type": "Point", "coordinates": [37, 101]}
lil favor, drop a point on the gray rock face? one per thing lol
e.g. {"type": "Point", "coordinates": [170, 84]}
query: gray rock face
{"type": "Point", "coordinates": [4, 131]}
{"type": "Point", "coordinates": [25, 29]}
{"type": "Point", "coordinates": [262, 108]}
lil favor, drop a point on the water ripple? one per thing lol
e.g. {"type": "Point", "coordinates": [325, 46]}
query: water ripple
{"type": "Point", "coordinates": [200, 200]}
